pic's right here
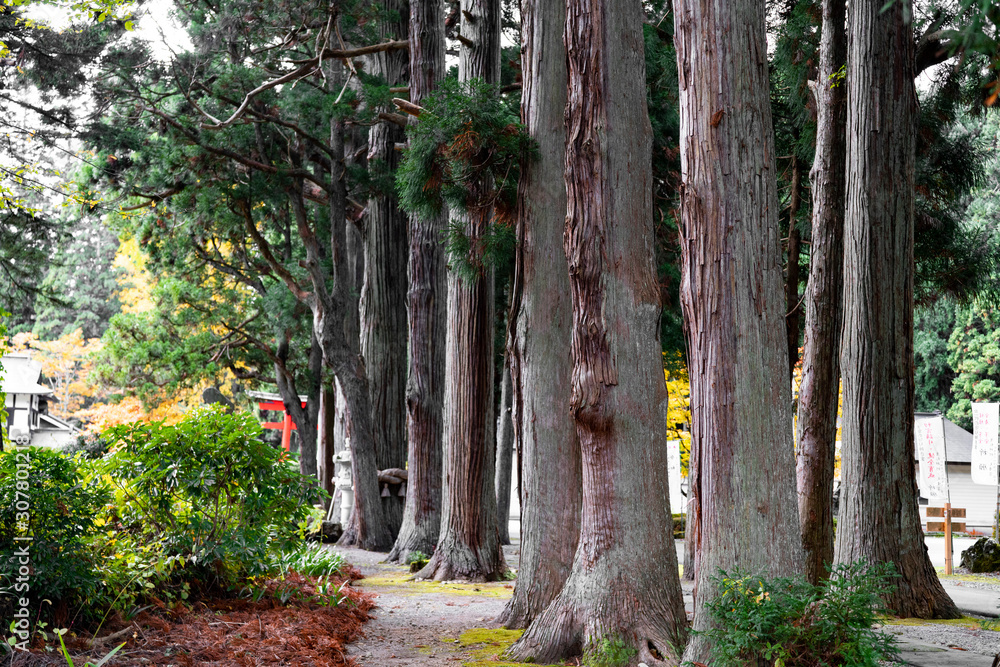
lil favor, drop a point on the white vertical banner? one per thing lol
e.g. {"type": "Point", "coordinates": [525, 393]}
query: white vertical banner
{"type": "Point", "coordinates": [985, 442]}
{"type": "Point", "coordinates": [929, 436]}
{"type": "Point", "coordinates": [677, 503]}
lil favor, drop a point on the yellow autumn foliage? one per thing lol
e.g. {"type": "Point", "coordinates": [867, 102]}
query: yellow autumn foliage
{"type": "Point", "coordinates": [135, 282]}
{"type": "Point", "coordinates": [679, 411]}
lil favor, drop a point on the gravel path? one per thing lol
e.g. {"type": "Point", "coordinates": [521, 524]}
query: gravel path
{"type": "Point", "coordinates": [968, 635]}
{"type": "Point", "coordinates": [419, 623]}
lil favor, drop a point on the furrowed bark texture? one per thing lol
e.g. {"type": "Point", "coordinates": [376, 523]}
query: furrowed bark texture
{"type": "Point", "coordinates": [624, 579]}
{"type": "Point", "coordinates": [335, 321]}
{"type": "Point", "coordinates": [383, 295]}
{"type": "Point", "coordinates": [878, 518]}
{"type": "Point", "coordinates": [820, 386]}
{"type": "Point", "coordinates": [426, 301]}
{"type": "Point", "coordinates": [505, 455]}
{"type": "Point", "coordinates": [742, 498]}
{"type": "Point", "coordinates": [469, 544]}
{"type": "Point", "coordinates": [541, 318]}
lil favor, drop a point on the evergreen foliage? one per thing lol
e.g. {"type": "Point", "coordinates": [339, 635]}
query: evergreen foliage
{"type": "Point", "coordinates": [466, 152]}
{"type": "Point", "coordinates": [933, 374]}
{"type": "Point", "coordinates": [80, 289]}
{"type": "Point", "coordinates": [974, 354]}
{"type": "Point", "coordinates": [788, 622]}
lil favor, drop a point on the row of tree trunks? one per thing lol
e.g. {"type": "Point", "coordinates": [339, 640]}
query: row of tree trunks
{"type": "Point", "coordinates": [469, 543]}
{"type": "Point", "coordinates": [878, 520]}
{"type": "Point", "coordinates": [336, 323]}
{"type": "Point", "coordinates": [624, 580]}
{"type": "Point", "coordinates": [427, 317]}
{"type": "Point", "coordinates": [540, 319]}
{"type": "Point", "coordinates": [819, 389]}
{"type": "Point", "coordinates": [383, 294]}
{"type": "Point", "coordinates": [742, 510]}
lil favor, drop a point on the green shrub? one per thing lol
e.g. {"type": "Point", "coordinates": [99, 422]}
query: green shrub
{"type": "Point", "coordinates": [417, 560]}
{"type": "Point", "coordinates": [790, 622]}
{"type": "Point", "coordinates": [55, 502]}
{"type": "Point", "coordinates": [309, 560]}
{"type": "Point", "coordinates": [204, 501]}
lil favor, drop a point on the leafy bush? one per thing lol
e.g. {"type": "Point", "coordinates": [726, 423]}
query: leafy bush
{"type": "Point", "coordinates": [50, 498]}
{"type": "Point", "coordinates": [790, 622]}
{"type": "Point", "coordinates": [206, 498]}
{"type": "Point", "coordinates": [309, 560]}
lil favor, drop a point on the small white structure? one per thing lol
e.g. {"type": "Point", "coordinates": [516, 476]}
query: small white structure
{"type": "Point", "coordinates": [28, 420]}
{"type": "Point", "coordinates": [978, 500]}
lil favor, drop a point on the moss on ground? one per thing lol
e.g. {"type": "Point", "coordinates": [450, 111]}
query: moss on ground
{"type": "Point", "coordinates": [487, 647]}
{"type": "Point", "coordinates": [401, 582]}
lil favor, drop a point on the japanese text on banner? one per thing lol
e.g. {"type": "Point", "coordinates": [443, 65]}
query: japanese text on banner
{"type": "Point", "coordinates": [985, 442]}
{"type": "Point", "coordinates": [931, 452]}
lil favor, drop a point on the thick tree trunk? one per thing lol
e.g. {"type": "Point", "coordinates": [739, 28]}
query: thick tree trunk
{"type": "Point", "coordinates": [540, 319]}
{"type": "Point", "coordinates": [742, 498]}
{"type": "Point", "coordinates": [427, 318]}
{"type": "Point", "coordinates": [383, 295]}
{"type": "Point", "coordinates": [624, 581]}
{"type": "Point", "coordinates": [335, 321]}
{"type": "Point", "coordinates": [878, 518]}
{"type": "Point", "coordinates": [819, 389]}
{"type": "Point", "coordinates": [469, 544]}
{"type": "Point", "coordinates": [505, 455]}
{"type": "Point", "coordinates": [792, 305]}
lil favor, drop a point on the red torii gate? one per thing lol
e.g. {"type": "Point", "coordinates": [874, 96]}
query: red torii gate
{"type": "Point", "coordinates": [266, 401]}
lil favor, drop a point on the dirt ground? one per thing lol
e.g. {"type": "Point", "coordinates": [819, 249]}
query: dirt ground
{"type": "Point", "coordinates": [422, 623]}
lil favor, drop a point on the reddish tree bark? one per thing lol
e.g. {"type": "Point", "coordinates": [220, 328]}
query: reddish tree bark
{"type": "Point", "coordinates": [878, 519]}
{"type": "Point", "coordinates": [624, 581]}
{"type": "Point", "coordinates": [469, 544]}
{"type": "Point", "coordinates": [426, 324]}
{"type": "Point", "coordinates": [741, 505]}
{"type": "Point", "coordinates": [819, 389]}
{"type": "Point", "coordinates": [541, 316]}
{"type": "Point", "coordinates": [383, 294]}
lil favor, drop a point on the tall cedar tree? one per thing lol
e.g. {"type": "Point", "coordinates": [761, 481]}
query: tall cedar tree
{"type": "Point", "coordinates": [427, 317]}
{"type": "Point", "coordinates": [383, 293]}
{"type": "Point", "coordinates": [469, 544]}
{"type": "Point", "coordinates": [624, 582]}
{"type": "Point", "coordinates": [541, 317]}
{"type": "Point", "coordinates": [742, 506]}
{"type": "Point", "coordinates": [819, 390]}
{"type": "Point", "coordinates": [878, 519]}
